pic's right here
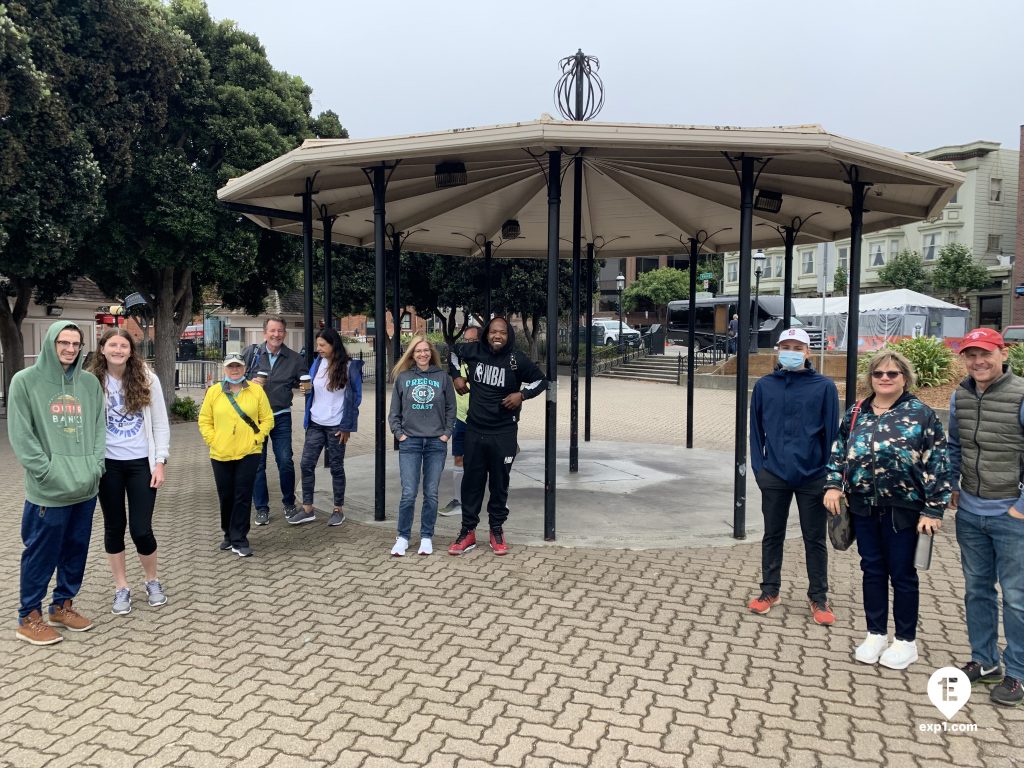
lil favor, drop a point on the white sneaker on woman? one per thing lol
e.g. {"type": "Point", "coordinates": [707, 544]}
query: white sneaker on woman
{"type": "Point", "coordinates": [401, 545]}
{"type": "Point", "coordinates": [900, 655]}
{"type": "Point", "coordinates": [871, 649]}
{"type": "Point", "coordinates": [426, 547]}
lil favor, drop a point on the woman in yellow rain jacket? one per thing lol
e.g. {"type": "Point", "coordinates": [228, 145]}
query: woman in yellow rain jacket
{"type": "Point", "coordinates": [235, 420]}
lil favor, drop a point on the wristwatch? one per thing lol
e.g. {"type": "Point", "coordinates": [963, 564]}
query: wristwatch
{"type": "Point", "coordinates": [162, 461]}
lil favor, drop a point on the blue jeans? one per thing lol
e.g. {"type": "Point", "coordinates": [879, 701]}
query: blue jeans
{"type": "Point", "coordinates": [888, 555]}
{"type": "Point", "coordinates": [992, 549]}
{"type": "Point", "coordinates": [56, 539]}
{"type": "Point", "coordinates": [420, 457]}
{"type": "Point", "coordinates": [280, 438]}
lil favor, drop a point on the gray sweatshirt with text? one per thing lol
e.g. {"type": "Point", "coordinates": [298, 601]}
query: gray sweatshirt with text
{"type": "Point", "coordinates": [423, 403]}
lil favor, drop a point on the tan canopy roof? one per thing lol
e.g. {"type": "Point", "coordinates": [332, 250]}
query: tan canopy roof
{"type": "Point", "coordinates": [640, 182]}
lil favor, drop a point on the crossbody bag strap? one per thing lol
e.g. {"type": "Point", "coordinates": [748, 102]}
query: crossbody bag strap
{"type": "Point", "coordinates": [244, 416]}
{"type": "Point", "coordinates": [854, 413]}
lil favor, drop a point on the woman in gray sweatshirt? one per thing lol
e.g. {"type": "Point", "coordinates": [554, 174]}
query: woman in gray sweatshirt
{"type": "Point", "coordinates": [422, 418]}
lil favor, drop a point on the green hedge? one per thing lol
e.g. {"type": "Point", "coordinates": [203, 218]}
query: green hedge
{"type": "Point", "coordinates": [931, 359]}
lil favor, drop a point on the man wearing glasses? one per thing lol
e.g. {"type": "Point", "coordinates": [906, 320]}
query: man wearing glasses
{"type": "Point", "coordinates": [58, 433]}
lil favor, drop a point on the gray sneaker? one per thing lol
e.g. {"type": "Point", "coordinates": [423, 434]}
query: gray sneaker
{"type": "Point", "coordinates": [302, 516]}
{"type": "Point", "coordinates": [453, 507]}
{"type": "Point", "coordinates": [337, 517]}
{"type": "Point", "coordinates": [224, 546]}
{"type": "Point", "coordinates": [122, 602]}
{"type": "Point", "coordinates": [156, 593]}
{"type": "Point", "coordinates": [262, 516]}
{"type": "Point", "coordinates": [242, 551]}
{"type": "Point", "coordinates": [290, 512]}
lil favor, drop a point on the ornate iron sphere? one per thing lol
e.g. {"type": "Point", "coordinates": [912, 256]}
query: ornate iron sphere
{"type": "Point", "coordinates": [579, 92]}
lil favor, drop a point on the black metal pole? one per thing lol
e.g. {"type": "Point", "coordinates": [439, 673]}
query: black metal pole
{"type": "Point", "coordinates": [328, 223]}
{"type": "Point", "coordinates": [622, 354]}
{"type": "Point", "coordinates": [551, 413]}
{"type": "Point", "coordinates": [742, 340]}
{"type": "Point", "coordinates": [589, 363]}
{"type": "Point", "coordinates": [307, 270]}
{"type": "Point", "coordinates": [379, 340]}
{"type": "Point", "coordinates": [396, 299]}
{"type": "Point", "coordinates": [787, 288]}
{"type": "Point", "coordinates": [691, 361]}
{"type": "Point", "coordinates": [574, 323]}
{"type": "Point", "coordinates": [858, 189]}
{"type": "Point", "coordinates": [488, 249]}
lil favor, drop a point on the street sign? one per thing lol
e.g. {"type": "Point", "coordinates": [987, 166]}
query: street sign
{"type": "Point", "coordinates": [706, 276]}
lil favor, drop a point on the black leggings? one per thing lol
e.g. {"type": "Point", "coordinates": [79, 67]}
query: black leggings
{"type": "Point", "coordinates": [131, 477]}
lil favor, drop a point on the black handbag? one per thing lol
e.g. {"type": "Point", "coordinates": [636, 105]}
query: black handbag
{"type": "Point", "coordinates": [840, 527]}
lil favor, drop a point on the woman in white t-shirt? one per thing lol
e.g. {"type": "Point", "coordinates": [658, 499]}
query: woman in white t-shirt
{"type": "Point", "coordinates": [138, 441]}
{"type": "Point", "coordinates": [332, 414]}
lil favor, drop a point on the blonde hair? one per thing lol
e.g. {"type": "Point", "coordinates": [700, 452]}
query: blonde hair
{"type": "Point", "coordinates": [885, 355]}
{"type": "Point", "coordinates": [405, 362]}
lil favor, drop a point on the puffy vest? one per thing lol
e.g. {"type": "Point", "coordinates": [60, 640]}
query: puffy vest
{"type": "Point", "coordinates": [991, 439]}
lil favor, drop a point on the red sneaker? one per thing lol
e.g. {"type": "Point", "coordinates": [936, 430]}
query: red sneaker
{"type": "Point", "coordinates": [822, 614]}
{"type": "Point", "coordinates": [462, 545]}
{"type": "Point", "coordinates": [763, 603]}
{"type": "Point", "coordinates": [498, 543]}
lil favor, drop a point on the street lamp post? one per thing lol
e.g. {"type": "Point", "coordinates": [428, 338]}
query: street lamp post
{"type": "Point", "coordinates": [620, 284]}
{"type": "Point", "coordinates": [759, 259]}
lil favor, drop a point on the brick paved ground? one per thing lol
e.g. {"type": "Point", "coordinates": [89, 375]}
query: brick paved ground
{"type": "Point", "coordinates": [321, 650]}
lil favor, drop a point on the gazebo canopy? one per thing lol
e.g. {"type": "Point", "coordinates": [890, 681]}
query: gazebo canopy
{"type": "Point", "coordinates": [640, 182]}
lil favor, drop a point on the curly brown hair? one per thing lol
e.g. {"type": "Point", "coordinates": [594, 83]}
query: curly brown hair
{"type": "Point", "coordinates": [135, 382]}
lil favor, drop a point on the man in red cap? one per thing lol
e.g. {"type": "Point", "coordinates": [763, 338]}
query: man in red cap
{"type": "Point", "coordinates": [986, 445]}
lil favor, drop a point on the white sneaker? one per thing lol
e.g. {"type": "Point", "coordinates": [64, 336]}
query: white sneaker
{"type": "Point", "coordinates": [900, 655]}
{"type": "Point", "coordinates": [426, 547]}
{"type": "Point", "coordinates": [871, 649]}
{"type": "Point", "coordinates": [401, 545]}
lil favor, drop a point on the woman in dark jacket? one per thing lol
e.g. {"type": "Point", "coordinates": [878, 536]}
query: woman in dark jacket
{"type": "Point", "coordinates": [891, 461]}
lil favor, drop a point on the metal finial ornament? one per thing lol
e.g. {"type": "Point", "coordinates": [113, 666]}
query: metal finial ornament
{"type": "Point", "coordinates": [579, 92]}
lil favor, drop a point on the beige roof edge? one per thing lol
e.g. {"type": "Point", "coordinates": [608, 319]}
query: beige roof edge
{"type": "Point", "coordinates": [561, 134]}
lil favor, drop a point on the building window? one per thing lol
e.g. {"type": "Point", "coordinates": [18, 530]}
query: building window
{"type": "Point", "coordinates": [844, 258]}
{"type": "Point", "coordinates": [930, 246]}
{"type": "Point", "coordinates": [645, 265]}
{"type": "Point", "coordinates": [952, 200]}
{"type": "Point", "coordinates": [952, 236]}
{"type": "Point", "coordinates": [877, 251]}
{"type": "Point", "coordinates": [733, 269]}
{"type": "Point", "coordinates": [780, 266]}
{"type": "Point", "coordinates": [406, 322]}
{"type": "Point", "coordinates": [807, 263]}
{"type": "Point", "coordinates": [894, 248]}
{"type": "Point", "coordinates": [993, 244]}
{"type": "Point", "coordinates": [995, 190]}
{"type": "Point", "coordinates": [768, 271]}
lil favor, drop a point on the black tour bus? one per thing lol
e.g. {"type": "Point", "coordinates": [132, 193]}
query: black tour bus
{"type": "Point", "coordinates": [713, 314]}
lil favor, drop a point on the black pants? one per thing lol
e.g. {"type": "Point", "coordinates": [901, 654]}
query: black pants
{"type": "Point", "coordinates": [776, 497]}
{"type": "Point", "coordinates": [318, 439]}
{"type": "Point", "coordinates": [235, 480]}
{"type": "Point", "coordinates": [488, 462]}
{"type": "Point", "coordinates": [131, 477]}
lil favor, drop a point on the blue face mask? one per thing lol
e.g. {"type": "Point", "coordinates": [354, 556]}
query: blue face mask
{"type": "Point", "coordinates": [791, 360]}
{"type": "Point", "coordinates": [239, 380]}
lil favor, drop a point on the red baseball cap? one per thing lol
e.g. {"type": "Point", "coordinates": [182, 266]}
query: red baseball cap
{"type": "Point", "coordinates": [983, 338]}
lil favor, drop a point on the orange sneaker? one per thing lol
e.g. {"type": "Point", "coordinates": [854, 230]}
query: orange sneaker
{"type": "Point", "coordinates": [764, 603]}
{"type": "Point", "coordinates": [64, 615]}
{"type": "Point", "coordinates": [822, 613]}
{"type": "Point", "coordinates": [32, 629]}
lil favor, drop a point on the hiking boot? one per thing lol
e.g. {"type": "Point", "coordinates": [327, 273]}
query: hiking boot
{"type": "Point", "coordinates": [122, 602]}
{"type": "Point", "coordinates": [978, 673]}
{"type": "Point", "coordinates": [302, 516]}
{"type": "Point", "coordinates": [1008, 693]}
{"type": "Point", "coordinates": [453, 507]}
{"type": "Point", "coordinates": [764, 603]}
{"type": "Point", "coordinates": [243, 550]}
{"type": "Point", "coordinates": [262, 517]}
{"type": "Point", "coordinates": [337, 517]}
{"type": "Point", "coordinates": [289, 511]}
{"type": "Point", "coordinates": [155, 593]}
{"type": "Point", "coordinates": [401, 545]}
{"type": "Point", "coordinates": [224, 546]}
{"type": "Point", "coordinates": [426, 547]}
{"type": "Point", "coordinates": [64, 615]}
{"type": "Point", "coordinates": [900, 655]}
{"type": "Point", "coordinates": [32, 629]}
{"type": "Point", "coordinates": [498, 543]}
{"type": "Point", "coordinates": [871, 649]}
{"type": "Point", "coordinates": [465, 542]}
{"type": "Point", "coordinates": [822, 614]}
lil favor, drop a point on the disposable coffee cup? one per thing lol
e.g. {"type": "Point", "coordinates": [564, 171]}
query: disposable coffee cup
{"type": "Point", "coordinates": [304, 382]}
{"type": "Point", "coordinates": [262, 376]}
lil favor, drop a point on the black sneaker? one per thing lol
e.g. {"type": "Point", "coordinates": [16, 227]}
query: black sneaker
{"type": "Point", "coordinates": [290, 511]}
{"type": "Point", "coordinates": [225, 545]}
{"type": "Point", "coordinates": [977, 673]}
{"type": "Point", "coordinates": [262, 516]}
{"type": "Point", "coordinates": [242, 551]}
{"type": "Point", "coordinates": [1008, 693]}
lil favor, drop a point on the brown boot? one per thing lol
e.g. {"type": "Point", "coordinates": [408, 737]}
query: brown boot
{"type": "Point", "coordinates": [32, 629]}
{"type": "Point", "coordinates": [64, 615]}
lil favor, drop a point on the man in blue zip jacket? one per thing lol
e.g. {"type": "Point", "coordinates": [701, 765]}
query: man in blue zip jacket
{"type": "Point", "coordinates": [794, 419]}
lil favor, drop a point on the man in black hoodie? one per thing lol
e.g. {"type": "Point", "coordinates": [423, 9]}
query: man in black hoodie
{"type": "Point", "coordinates": [501, 380]}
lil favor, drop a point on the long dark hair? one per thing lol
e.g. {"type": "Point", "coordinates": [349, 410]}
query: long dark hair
{"type": "Point", "coordinates": [337, 373]}
{"type": "Point", "coordinates": [135, 382]}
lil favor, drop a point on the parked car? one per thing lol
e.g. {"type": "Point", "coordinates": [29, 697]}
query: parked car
{"type": "Point", "coordinates": [610, 326]}
{"type": "Point", "coordinates": [1013, 334]}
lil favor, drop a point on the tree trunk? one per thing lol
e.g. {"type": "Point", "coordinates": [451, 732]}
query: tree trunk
{"type": "Point", "coordinates": [172, 310]}
{"type": "Point", "coordinates": [11, 340]}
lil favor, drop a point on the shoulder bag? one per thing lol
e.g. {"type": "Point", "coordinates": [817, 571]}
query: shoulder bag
{"type": "Point", "coordinates": [840, 527]}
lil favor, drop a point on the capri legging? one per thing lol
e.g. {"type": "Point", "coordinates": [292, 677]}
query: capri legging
{"type": "Point", "coordinates": [129, 478]}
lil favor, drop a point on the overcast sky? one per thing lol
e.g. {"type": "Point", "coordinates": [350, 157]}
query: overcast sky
{"type": "Point", "coordinates": [907, 74]}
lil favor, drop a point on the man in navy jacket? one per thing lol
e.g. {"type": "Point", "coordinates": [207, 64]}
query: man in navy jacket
{"type": "Point", "coordinates": [794, 418]}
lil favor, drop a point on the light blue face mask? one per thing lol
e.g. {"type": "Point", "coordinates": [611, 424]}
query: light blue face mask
{"type": "Point", "coordinates": [791, 360]}
{"type": "Point", "coordinates": [239, 380]}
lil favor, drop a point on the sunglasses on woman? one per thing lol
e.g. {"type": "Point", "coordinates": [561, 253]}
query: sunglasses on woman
{"type": "Point", "coordinates": [886, 374]}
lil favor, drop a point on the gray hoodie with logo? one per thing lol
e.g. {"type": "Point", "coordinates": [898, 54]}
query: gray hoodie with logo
{"type": "Point", "coordinates": [423, 403]}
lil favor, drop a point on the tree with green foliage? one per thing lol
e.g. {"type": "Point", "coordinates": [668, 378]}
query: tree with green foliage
{"type": "Point", "coordinates": [840, 280]}
{"type": "Point", "coordinates": [957, 273]}
{"type": "Point", "coordinates": [905, 270]}
{"type": "Point", "coordinates": [523, 291]}
{"type": "Point", "coordinates": [656, 289]}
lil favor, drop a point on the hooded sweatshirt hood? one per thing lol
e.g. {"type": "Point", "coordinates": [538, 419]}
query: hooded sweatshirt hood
{"type": "Point", "coordinates": [510, 345]}
{"type": "Point", "coordinates": [56, 426]}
